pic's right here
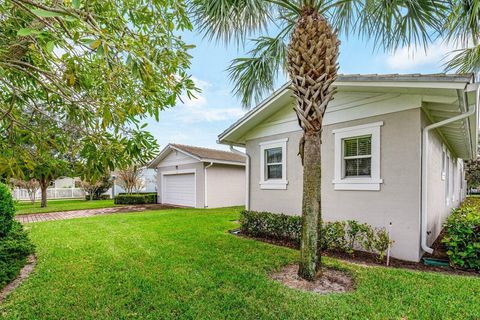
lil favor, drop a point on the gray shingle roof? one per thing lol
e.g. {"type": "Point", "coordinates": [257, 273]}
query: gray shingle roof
{"type": "Point", "coordinates": [207, 153]}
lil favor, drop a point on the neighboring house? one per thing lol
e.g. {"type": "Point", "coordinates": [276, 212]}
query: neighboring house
{"type": "Point", "coordinates": [199, 177]}
{"type": "Point", "coordinates": [392, 153]}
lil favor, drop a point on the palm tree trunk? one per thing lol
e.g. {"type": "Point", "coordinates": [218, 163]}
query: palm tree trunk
{"type": "Point", "coordinates": [311, 209]}
{"type": "Point", "coordinates": [312, 66]}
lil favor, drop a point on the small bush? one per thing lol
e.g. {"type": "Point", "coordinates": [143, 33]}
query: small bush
{"type": "Point", "coordinates": [462, 238]}
{"type": "Point", "coordinates": [98, 197]}
{"type": "Point", "coordinates": [270, 225]}
{"type": "Point", "coordinates": [136, 198]}
{"type": "Point", "coordinates": [7, 210]}
{"type": "Point", "coordinates": [14, 243]}
{"type": "Point", "coordinates": [335, 236]}
{"type": "Point", "coordinates": [14, 249]}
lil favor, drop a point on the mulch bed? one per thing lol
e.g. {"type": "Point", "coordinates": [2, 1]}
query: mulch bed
{"type": "Point", "coordinates": [330, 281]}
{"type": "Point", "coordinates": [365, 258]}
{"type": "Point", "coordinates": [24, 273]}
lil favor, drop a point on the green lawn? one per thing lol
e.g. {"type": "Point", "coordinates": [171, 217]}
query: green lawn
{"type": "Point", "coordinates": [181, 264]}
{"type": "Point", "coordinates": [62, 205]}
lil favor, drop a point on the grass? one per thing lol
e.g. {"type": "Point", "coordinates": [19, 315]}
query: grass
{"type": "Point", "coordinates": [181, 264]}
{"type": "Point", "coordinates": [62, 205]}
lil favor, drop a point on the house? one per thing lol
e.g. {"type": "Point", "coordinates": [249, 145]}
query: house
{"type": "Point", "coordinates": [392, 153]}
{"type": "Point", "coordinates": [199, 177]}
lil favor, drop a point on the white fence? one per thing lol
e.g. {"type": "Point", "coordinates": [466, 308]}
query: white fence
{"type": "Point", "coordinates": [52, 193]}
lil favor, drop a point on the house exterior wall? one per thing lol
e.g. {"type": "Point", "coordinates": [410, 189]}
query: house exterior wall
{"type": "Point", "coordinates": [439, 202]}
{"type": "Point", "coordinates": [397, 201]}
{"type": "Point", "coordinates": [199, 179]}
{"type": "Point", "coordinates": [225, 186]}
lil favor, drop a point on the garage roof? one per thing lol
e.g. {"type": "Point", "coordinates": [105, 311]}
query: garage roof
{"type": "Point", "coordinates": [201, 154]}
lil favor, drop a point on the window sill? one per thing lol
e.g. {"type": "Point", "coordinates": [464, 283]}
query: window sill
{"type": "Point", "coordinates": [273, 185]}
{"type": "Point", "coordinates": [358, 184]}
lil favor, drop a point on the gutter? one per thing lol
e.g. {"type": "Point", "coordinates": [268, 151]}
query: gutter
{"type": "Point", "coordinates": [205, 192]}
{"type": "Point", "coordinates": [424, 169]}
{"type": "Point", "coordinates": [247, 176]}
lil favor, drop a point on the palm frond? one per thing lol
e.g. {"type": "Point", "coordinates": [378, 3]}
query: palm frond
{"type": "Point", "coordinates": [254, 76]}
{"type": "Point", "coordinates": [224, 20]}
{"type": "Point", "coordinates": [393, 24]}
{"type": "Point", "coordinates": [465, 60]}
{"type": "Point", "coordinates": [463, 22]}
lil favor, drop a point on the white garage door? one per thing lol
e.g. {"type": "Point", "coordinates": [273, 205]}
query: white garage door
{"type": "Point", "coordinates": [179, 189]}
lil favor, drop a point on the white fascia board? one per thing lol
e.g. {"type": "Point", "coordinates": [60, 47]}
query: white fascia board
{"type": "Point", "coordinates": [223, 162]}
{"type": "Point", "coordinates": [402, 84]}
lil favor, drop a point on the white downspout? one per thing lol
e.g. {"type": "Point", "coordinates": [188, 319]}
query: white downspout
{"type": "Point", "coordinates": [247, 176]}
{"type": "Point", "coordinates": [205, 200]}
{"type": "Point", "coordinates": [426, 130]}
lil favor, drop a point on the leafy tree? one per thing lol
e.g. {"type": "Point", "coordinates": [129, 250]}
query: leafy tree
{"type": "Point", "coordinates": [95, 186]}
{"type": "Point", "coordinates": [130, 179]}
{"type": "Point", "coordinates": [307, 47]}
{"type": "Point", "coordinates": [31, 185]}
{"type": "Point", "coordinates": [96, 68]}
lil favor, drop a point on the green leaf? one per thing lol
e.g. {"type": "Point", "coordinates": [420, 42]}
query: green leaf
{"type": "Point", "coordinates": [76, 4]}
{"type": "Point", "coordinates": [50, 46]}
{"type": "Point", "coordinates": [46, 14]}
{"type": "Point", "coordinates": [23, 32]}
{"type": "Point", "coordinates": [94, 45]}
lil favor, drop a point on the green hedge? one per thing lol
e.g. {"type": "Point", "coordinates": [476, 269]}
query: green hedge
{"type": "Point", "coordinates": [462, 238]}
{"type": "Point", "coordinates": [136, 198]}
{"type": "Point", "coordinates": [98, 197]}
{"type": "Point", "coordinates": [342, 236]}
{"type": "Point", "coordinates": [14, 243]}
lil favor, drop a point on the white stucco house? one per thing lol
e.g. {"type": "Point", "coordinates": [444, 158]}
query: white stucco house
{"type": "Point", "coordinates": [199, 177]}
{"type": "Point", "coordinates": [392, 153]}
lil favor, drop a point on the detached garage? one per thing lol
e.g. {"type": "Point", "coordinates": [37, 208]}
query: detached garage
{"type": "Point", "coordinates": [199, 177]}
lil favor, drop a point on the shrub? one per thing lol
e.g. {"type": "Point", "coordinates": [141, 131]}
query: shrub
{"type": "Point", "coordinates": [337, 236]}
{"type": "Point", "coordinates": [14, 243]}
{"type": "Point", "coordinates": [98, 197]}
{"type": "Point", "coordinates": [462, 238]}
{"type": "Point", "coordinates": [136, 198]}
{"type": "Point", "coordinates": [270, 225]}
{"type": "Point", "coordinates": [7, 210]}
{"type": "Point", "coordinates": [14, 248]}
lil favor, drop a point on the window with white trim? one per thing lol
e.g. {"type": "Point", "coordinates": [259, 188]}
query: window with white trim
{"type": "Point", "coordinates": [357, 157]}
{"type": "Point", "coordinates": [273, 164]}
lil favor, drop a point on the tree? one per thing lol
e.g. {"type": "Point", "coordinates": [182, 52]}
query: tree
{"type": "Point", "coordinates": [307, 47]}
{"type": "Point", "coordinates": [94, 186]}
{"type": "Point", "coordinates": [130, 179]}
{"type": "Point", "coordinates": [463, 28]}
{"type": "Point", "coordinates": [97, 68]}
{"type": "Point", "coordinates": [31, 185]}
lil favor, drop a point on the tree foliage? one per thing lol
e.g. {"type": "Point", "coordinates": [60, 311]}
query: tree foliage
{"type": "Point", "coordinates": [93, 70]}
{"type": "Point", "coordinates": [130, 179]}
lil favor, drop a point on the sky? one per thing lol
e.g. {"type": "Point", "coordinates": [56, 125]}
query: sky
{"type": "Point", "coordinates": [199, 121]}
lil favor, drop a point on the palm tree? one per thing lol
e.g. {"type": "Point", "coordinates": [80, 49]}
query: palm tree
{"type": "Point", "coordinates": [463, 29]}
{"type": "Point", "coordinates": [307, 47]}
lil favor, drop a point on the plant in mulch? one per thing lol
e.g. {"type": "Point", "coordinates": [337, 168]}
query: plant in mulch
{"type": "Point", "coordinates": [15, 246]}
{"type": "Point", "coordinates": [462, 238]}
{"type": "Point", "coordinates": [340, 236]}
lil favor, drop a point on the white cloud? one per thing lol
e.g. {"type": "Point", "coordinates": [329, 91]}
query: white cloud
{"type": "Point", "coordinates": [198, 108]}
{"type": "Point", "coordinates": [412, 59]}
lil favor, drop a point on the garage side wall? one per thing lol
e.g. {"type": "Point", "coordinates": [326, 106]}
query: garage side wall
{"type": "Point", "coordinates": [225, 186]}
{"type": "Point", "coordinates": [199, 180]}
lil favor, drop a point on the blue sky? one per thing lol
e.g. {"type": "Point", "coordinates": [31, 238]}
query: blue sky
{"type": "Point", "coordinates": [199, 121]}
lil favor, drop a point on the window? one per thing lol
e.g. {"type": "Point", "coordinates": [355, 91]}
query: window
{"type": "Point", "coordinates": [444, 162]}
{"type": "Point", "coordinates": [357, 157]}
{"type": "Point", "coordinates": [273, 171]}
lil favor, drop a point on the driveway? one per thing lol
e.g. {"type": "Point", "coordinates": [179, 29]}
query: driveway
{"type": "Point", "coordinates": [64, 215]}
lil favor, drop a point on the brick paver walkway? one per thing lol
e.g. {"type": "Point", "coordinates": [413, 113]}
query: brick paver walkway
{"type": "Point", "coordinates": [39, 217]}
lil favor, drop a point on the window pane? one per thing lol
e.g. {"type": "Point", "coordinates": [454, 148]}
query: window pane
{"type": "Point", "coordinates": [273, 155]}
{"type": "Point", "coordinates": [358, 167]}
{"type": "Point", "coordinates": [364, 146]}
{"type": "Point", "coordinates": [350, 146]}
{"type": "Point", "coordinates": [274, 171]}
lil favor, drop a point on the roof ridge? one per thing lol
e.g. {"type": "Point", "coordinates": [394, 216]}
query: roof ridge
{"type": "Point", "coordinates": [205, 148]}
